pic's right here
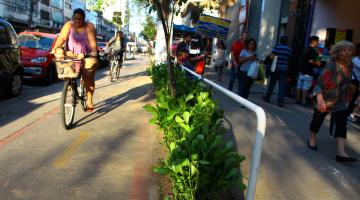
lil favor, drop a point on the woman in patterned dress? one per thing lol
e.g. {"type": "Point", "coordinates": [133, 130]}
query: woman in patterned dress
{"type": "Point", "coordinates": [332, 96]}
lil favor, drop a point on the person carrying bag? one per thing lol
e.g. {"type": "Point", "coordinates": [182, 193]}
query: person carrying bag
{"type": "Point", "coordinates": [249, 69]}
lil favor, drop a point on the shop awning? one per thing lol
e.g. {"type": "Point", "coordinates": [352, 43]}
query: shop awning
{"type": "Point", "coordinates": [183, 28]}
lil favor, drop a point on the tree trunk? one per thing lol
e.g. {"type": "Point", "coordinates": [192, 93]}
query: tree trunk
{"type": "Point", "coordinates": [170, 68]}
{"type": "Point", "coordinates": [162, 12]}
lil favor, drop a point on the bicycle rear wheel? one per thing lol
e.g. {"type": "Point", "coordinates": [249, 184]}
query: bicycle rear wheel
{"type": "Point", "coordinates": [68, 103]}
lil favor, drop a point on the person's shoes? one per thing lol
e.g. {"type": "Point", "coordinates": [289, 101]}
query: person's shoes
{"type": "Point", "coordinates": [314, 148]}
{"type": "Point", "coordinates": [352, 118]}
{"type": "Point", "coordinates": [265, 99]}
{"type": "Point", "coordinates": [345, 159]}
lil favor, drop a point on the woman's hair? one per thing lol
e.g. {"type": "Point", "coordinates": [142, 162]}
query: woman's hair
{"type": "Point", "coordinates": [220, 44]}
{"type": "Point", "coordinates": [335, 51]}
{"type": "Point", "coordinates": [80, 12]}
{"type": "Point", "coordinates": [249, 41]}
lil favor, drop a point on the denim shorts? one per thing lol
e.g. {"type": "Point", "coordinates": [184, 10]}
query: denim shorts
{"type": "Point", "coordinates": [304, 82]}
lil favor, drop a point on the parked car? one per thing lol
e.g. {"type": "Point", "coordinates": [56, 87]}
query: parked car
{"type": "Point", "coordinates": [35, 56]}
{"type": "Point", "coordinates": [101, 46]}
{"type": "Point", "coordinates": [11, 69]}
{"type": "Point", "coordinates": [142, 49]}
{"type": "Point", "coordinates": [131, 47]}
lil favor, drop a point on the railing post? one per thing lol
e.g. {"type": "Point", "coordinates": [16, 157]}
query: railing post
{"type": "Point", "coordinates": [260, 131]}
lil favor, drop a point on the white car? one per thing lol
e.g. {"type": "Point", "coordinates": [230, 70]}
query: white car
{"type": "Point", "coordinates": [131, 47]}
{"type": "Point", "coordinates": [143, 49]}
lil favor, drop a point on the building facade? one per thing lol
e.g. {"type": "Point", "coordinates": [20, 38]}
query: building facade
{"type": "Point", "coordinates": [67, 10]}
{"type": "Point", "coordinates": [27, 14]}
{"type": "Point", "coordinates": [50, 15]}
{"type": "Point", "coordinates": [118, 8]}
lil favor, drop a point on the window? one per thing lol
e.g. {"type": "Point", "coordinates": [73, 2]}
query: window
{"type": "Point", "coordinates": [44, 15]}
{"type": "Point", "coordinates": [4, 40]}
{"type": "Point", "coordinates": [68, 6]}
{"type": "Point", "coordinates": [35, 42]}
{"type": "Point", "coordinates": [46, 2]}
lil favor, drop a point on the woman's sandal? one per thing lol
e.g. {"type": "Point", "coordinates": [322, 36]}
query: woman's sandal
{"type": "Point", "coordinates": [89, 109]}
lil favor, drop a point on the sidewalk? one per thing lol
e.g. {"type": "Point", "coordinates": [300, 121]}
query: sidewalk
{"type": "Point", "coordinates": [289, 170]}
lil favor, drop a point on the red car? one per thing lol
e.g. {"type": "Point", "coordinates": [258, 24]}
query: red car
{"type": "Point", "coordinates": [35, 56]}
{"type": "Point", "coordinates": [101, 46]}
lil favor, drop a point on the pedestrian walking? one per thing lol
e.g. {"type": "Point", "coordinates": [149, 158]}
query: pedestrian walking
{"type": "Point", "coordinates": [332, 96]}
{"type": "Point", "coordinates": [219, 59]}
{"type": "Point", "coordinates": [247, 57]}
{"type": "Point", "coordinates": [235, 51]}
{"type": "Point", "coordinates": [283, 53]}
{"type": "Point", "coordinates": [355, 81]}
{"type": "Point", "coordinates": [308, 62]}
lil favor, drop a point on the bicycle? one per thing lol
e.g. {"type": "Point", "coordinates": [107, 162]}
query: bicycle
{"type": "Point", "coordinates": [70, 70]}
{"type": "Point", "coordinates": [116, 60]}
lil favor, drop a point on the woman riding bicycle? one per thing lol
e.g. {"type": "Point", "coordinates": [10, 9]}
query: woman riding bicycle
{"type": "Point", "coordinates": [79, 37]}
{"type": "Point", "coordinates": [118, 42]}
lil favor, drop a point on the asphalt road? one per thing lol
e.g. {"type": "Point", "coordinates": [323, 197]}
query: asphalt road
{"type": "Point", "coordinates": [107, 155]}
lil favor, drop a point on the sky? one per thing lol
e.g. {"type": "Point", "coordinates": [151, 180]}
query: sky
{"type": "Point", "coordinates": [136, 19]}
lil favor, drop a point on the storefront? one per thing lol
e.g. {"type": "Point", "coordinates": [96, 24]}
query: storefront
{"type": "Point", "coordinates": [335, 20]}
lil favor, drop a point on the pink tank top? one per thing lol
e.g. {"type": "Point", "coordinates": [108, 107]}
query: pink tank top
{"type": "Point", "coordinates": [78, 42]}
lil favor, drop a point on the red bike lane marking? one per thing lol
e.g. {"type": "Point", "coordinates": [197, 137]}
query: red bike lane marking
{"type": "Point", "coordinates": [8, 139]}
{"type": "Point", "coordinates": [140, 186]}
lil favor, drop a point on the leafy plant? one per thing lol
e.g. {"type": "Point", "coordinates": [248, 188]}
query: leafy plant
{"type": "Point", "coordinates": [198, 162]}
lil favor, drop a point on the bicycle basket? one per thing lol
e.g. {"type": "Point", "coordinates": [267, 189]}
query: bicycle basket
{"type": "Point", "coordinates": [68, 69]}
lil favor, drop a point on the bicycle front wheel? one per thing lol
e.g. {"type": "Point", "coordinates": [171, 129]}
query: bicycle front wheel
{"type": "Point", "coordinates": [111, 71]}
{"type": "Point", "coordinates": [68, 103]}
{"type": "Point", "coordinates": [118, 68]}
{"type": "Point", "coordinates": [83, 95]}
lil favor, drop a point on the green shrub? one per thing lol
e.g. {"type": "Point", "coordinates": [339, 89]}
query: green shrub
{"type": "Point", "coordinates": [198, 162]}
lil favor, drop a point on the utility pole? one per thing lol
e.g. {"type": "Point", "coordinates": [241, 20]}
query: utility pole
{"type": "Point", "coordinates": [31, 10]}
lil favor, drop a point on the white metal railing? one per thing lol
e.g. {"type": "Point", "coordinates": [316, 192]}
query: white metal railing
{"type": "Point", "coordinates": [260, 131]}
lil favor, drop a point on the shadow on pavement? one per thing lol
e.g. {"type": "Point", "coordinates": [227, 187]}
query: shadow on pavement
{"type": "Point", "coordinates": [15, 108]}
{"type": "Point", "coordinates": [110, 104]}
{"type": "Point", "coordinates": [95, 165]}
{"type": "Point", "coordinates": [285, 153]}
{"type": "Point", "coordinates": [229, 136]}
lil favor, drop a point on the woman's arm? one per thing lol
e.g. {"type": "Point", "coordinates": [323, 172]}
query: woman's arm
{"type": "Point", "coordinates": [324, 82]}
{"type": "Point", "coordinates": [198, 58]}
{"type": "Point", "coordinates": [243, 59]}
{"type": "Point", "coordinates": [110, 41]}
{"type": "Point", "coordinates": [92, 38]}
{"type": "Point", "coordinates": [63, 36]}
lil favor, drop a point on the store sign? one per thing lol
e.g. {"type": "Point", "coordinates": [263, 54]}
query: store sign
{"type": "Point", "coordinates": [213, 27]}
{"type": "Point", "coordinates": [340, 35]}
